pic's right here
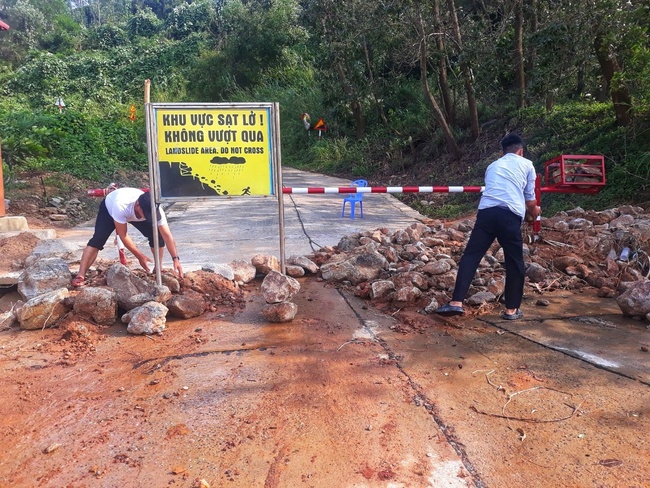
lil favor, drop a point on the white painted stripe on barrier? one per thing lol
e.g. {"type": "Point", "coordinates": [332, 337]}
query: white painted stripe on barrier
{"type": "Point", "coordinates": [345, 190]}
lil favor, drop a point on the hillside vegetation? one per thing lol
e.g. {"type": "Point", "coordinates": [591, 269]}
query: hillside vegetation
{"type": "Point", "coordinates": [412, 92]}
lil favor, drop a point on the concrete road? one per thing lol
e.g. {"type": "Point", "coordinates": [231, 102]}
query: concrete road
{"type": "Point", "coordinates": [221, 230]}
{"type": "Point", "coordinates": [343, 396]}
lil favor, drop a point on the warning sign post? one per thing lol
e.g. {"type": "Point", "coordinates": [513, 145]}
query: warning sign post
{"type": "Point", "coordinates": [202, 151]}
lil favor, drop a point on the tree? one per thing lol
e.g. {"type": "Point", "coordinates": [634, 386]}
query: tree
{"type": "Point", "coordinates": [611, 26]}
{"type": "Point", "coordinates": [466, 69]}
{"type": "Point", "coordinates": [445, 91]}
{"type": "Point", "coordinates": [519, 53]}
{"type": "Point", "coordinates": [452, 145]}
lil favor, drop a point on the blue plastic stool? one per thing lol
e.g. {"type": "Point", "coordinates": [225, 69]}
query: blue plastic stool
{"type": "Point", "coordinates": [354, 198]}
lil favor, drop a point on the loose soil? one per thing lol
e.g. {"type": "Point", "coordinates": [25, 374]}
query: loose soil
{"type": "Point", "coordinates": [341, 396]}
{"type": "Point", "coordinates": [348, 394]}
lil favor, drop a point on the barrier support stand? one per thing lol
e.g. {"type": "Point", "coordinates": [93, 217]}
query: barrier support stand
{"type": "Point", "coordinates": [156, 244]}
{"type": "Point", "coordinates": [277, 158]}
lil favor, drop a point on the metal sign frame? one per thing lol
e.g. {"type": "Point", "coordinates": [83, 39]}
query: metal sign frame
{"type": "Point", "coordinates": [210, 114]}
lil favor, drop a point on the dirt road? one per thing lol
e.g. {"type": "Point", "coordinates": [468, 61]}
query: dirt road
{"type": "Point", "coordinates": [343, 396]}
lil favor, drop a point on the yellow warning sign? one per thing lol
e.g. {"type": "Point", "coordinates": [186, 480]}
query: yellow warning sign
{"type": "Point", "coordinates": [214, 150]}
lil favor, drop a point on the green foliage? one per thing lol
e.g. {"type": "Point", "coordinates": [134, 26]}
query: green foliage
{"type": "Point", "coordinates": [340, 156]}
{"type": "Point", "coordinates": [319, 58]}
{"type": "Point", "coordinates": [143, 24]}
{"type": "Point", "coordinates": [588, 128]}
{"type": "Point", "coordinates": [190, 18]}
{"type": "Point", "coordinates": [256, 36]}
{"type": "Point", "coordinates": [453, 208]}
{"type": "Point", "coordinates": [21, 152]}
{"type": "Point", "coordinates": [71, 142]}
{"type": "Point", "coordinates": [64, 37]}
{"type": "Point", "coordinates": [106, 37]}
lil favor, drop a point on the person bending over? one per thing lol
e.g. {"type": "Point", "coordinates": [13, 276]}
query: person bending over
{"type": "Point", "coordinates": [509, 195]}
{"type": "Point", "coordinates": [120, 207]}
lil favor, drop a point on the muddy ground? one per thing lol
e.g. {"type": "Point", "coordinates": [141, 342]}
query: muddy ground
{"type": "Point", "coordinates": [348, 394]}
{"type": "Point", "coordinates": [342, 396]}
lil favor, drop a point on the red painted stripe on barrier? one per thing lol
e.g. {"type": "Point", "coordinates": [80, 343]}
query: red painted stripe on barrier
{"type": "Point", "coordinates": [383, 189]}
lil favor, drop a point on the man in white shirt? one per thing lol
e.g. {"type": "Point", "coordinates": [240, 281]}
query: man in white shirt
{"type": "Point", "coordinates": [509, 195]}
{"type": "Point", "coordinates": [119, 208]}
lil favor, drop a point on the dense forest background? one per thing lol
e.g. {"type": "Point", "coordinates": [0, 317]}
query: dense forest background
{"type": "Point", "coordinates": [412, 91]}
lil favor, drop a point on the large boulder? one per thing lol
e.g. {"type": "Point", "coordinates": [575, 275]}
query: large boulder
{"type": "Point", "coordinates": [149, 318]}
{"type": "Point", "coordinates": [44, 310]}
{"type": "Point", "coordinates": [635, 301]}
{"type": "Point", "coordinates": [280, 312]}
{"type": "Point", "coordinates": [277, 287]}
{"type": "Point", "coordinates": [265, 263]}
{"type": "Point", "coordinates": [307, 264]}
{"type": "Point", "coordinates": [357, 269]}
{"type": "Point", "coordinates": [189, 304]}
{"type": "Point", "coordinates": [243, 271]}
{"type": "Point", "coordinates": [54, 248]}
{"type": "Point", "coordinates": [43, 276]}
{"type": "Point", "coordinates": [224, 270]}
{"type": "Point", "coordinates": [132, 291]}
{"type": "Point", "coordinates": [97, 304]}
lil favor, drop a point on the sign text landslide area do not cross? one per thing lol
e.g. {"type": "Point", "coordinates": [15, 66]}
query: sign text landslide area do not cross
{"type": "Point", "coordinates": [213, 149]}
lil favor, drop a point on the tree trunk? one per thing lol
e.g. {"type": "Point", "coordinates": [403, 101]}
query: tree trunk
{"type": "Point", "coordinates": [355, 105]}
{"type": "Point", "coordinates": [620, 94]}
{"type": "Point", "coordinates": [519, 54]}
{"type": "Point", "coordinates": [445, 92]}
{"type": "Point", "coordinates": [531, 21]}
{"type": "Point", "coordinates": [437, 112]}
{"type": "Point", "coordinates": [466, 70]}
{"type": "Point", "coordinates": [378, 105]}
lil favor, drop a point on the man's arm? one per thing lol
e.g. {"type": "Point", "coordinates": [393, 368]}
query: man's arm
{"type": "Point", "coordinates": [121, 230]}
{"type": "Point", "coordinates": [167, 236]}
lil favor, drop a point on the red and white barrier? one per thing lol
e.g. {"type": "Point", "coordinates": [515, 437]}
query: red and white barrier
{"type": "Point", "coordinates": [384, 189]}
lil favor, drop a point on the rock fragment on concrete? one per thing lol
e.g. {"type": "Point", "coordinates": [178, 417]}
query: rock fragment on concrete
{"type": "Point", "coordinates": [635, 301]}
{"type": "Point", "coordinates": [294, 271]}
{"type": "Point", "coordinates": [189, 304]}
{"type": "Point", "coordinates": [265, 263]}
{"type": "Point", "coordinates": [44, 276]}
{"type": "Point", "coordinates": [381, 288]}
{"type": "Point", "coordinates": [307, 264]}
{"type": "Point", "coordinates": [149, 318]}
{"type": "Point", "coordinates": [224, 270]}
{"type": "Point", "coordinates": [243, 271]}
{"type": "Point", "coordinates": [132, 291]}
{"type": "Point", "coordinates": [280, 312]}
{"type": "Point", "coordinates": [44, 310]}
{"type": "Point", "coordinates": [97, 304]}
{"type": "Point", "coordinates": [7, 319]}
{"type": "Point", "coordinates": [277, 287]}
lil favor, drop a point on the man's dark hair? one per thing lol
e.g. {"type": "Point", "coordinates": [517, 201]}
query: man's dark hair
{"type": "Point", "coordinates": [145, 204]}
{"type": "Point", "coordinates": [512, 143]}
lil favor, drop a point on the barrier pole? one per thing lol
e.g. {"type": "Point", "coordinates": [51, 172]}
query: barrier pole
{"type": "Point", "coordinates": [157, 261]}
{"type": "Point", "coordinates": [277, 159]}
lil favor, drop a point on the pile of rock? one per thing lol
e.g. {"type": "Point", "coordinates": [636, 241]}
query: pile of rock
{"type": "Point", "coordinates": [139, 302]}
{"type": "Point", "coordinates": [279, 289]}
{"type": "Point", "coordinates": [607, 250]}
